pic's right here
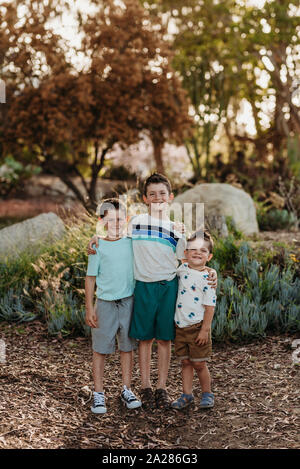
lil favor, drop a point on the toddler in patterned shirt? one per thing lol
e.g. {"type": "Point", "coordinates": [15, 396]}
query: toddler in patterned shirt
{"type": "Point", "coordinates": [194, 312]}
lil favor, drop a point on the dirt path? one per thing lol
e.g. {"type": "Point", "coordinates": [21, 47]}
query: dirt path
{"type": "Point", "coordinates": [44, 402]}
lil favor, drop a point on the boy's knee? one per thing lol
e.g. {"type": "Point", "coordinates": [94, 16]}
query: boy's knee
{"type": "Point", "coordinates": [186, 362]}
{"type": "Point", "coordinates": [199, 365]}
{"type": "Point", "coordinates": [164, 343]}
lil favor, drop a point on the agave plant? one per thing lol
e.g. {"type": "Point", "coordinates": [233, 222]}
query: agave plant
{"type": "Point", "coordinates": [13, 307]}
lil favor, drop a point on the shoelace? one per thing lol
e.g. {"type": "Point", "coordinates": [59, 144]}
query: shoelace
{"type": "Point", "coordinates": [99, 400]}
{"type": "Point", "coordinates": [128, 395]}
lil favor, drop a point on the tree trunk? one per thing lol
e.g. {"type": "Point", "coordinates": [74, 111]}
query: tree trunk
{"type": "Point", "coordinates": [157, 151]}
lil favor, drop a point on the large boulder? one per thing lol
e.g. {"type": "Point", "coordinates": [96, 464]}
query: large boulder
{"type": "Point", "coordinates": [221, 200]}
{"type": "Point", "coordinates": [30, 235]}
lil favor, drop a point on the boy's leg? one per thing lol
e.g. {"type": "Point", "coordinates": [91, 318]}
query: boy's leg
{"type": "Point", "coordinates": [164, 334]}
{"type": "Point", "coordinates": [126, 359]}
{"type": "Point", "coordinates": [142, 326]}
{"type": "Point", "coordinates": [126, 344]}
{"type": "Point", "coordinates": [186, 398]}
{"type": "Point", "coordinates": [187, 372]}
{"type": "Point", "coordinates": [145, 348]}
{"type": "Point", "coordinates": [98, 370]}
{"type": "Point", "coordinates": [203, 375]}
{"type": "Point", "coordinates": [164, 357]}
{"type": "Point", "coordinates": [127, 396]}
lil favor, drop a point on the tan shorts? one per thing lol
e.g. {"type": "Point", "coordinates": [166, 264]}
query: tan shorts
{"type": "Point", "coordinates": [185, 346]}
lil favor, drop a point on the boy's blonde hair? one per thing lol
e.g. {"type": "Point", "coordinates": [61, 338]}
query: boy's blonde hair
{"type": "Point", "coordinates": [203, 234]}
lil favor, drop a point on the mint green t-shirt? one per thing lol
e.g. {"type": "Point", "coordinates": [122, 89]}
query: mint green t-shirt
{"type": "Point", "coordinates": [113, 268]}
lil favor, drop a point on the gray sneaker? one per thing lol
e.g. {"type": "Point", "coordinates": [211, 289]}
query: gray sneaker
{"type": "Point", "coordinates": [98, 406]}
{"type": "Point", "coordinates": [129, 399]}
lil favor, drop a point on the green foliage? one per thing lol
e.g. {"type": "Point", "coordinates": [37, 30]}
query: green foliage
{"type": "Point", "coordinates": [257, 301]}
{"type": "Point", "coordinates": [16, 272]}
{"type": "Point", "coordinates": [225, 254]}
{"type": "Point", "coordinates": [221, 48]}
{"type": "Point", "coordinates": [14, 307]}
{"type": "Point", "coordinates": [275, 219]}
{"type": "Point", "coordinates": [64, 313]}
{"type": "Point", "coordinates": [54, 282]}
{"type": "Point", "coordinates": [254, 295]}
{"type": "Point", "coordinates": [232, 229]}
{"type": "Point", "coordinates": [13, 173]}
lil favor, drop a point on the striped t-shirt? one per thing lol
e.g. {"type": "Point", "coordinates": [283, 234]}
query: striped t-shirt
{"type": "Point", "coordinates": [156, 248]}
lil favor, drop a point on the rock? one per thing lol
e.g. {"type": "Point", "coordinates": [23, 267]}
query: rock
{"type": "Point", "coordinates": [220, 200]}
{"type": "Point", "coordinates": [296, 343]}
{"type": "Point", "coordinates": [30, 235]}
{"type": "Point", "coordinates": [2, 352]}
{"type": "Point", "coordinates": [216, 223]}
{"type": "Point", "coordinates": [296, 353]}
{"type": "Point", "coordinates": [296, 357]}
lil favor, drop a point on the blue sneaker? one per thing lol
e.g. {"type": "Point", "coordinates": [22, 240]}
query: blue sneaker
{"type": "Point", "coordinates": [207, 401]}
{"type": "Point", "coordinates": [183, 401]}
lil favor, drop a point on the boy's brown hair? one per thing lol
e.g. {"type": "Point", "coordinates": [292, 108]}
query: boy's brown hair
{"type": "Point", "coordinates": [157, 178]}
{"type": "Point", "coordinates": [109, 204]}
{"type": "Point", "coordinates": [204, 234]}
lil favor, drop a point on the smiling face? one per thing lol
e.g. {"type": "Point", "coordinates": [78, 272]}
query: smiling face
{"type": "Point", "coordinates": [158, 198]}
{"type": "Point", "coordinates": [114, 222]}
{"type": "Point", "coordinates": [197, 253]}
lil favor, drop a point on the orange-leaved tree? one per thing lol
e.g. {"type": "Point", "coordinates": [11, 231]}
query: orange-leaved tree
{"type": "Point", "coordinates": [72, 118]}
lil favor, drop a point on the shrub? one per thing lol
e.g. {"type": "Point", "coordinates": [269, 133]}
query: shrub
{"type": "Point", "coordinates": [64, 313]}
{"type": "Point", "coordinates": [54, 283]}
{"type": "Point", "coordinates": [254, 296]}
{"type": "Point", "coordinates": [275, 219]}
{"type": "Point", "coordinates": [225, 254]}
{"type": "Point", "coordinates": [257, 302]}
{"type": "Point", "coordinates": [14, 307]}
{"type": "Point", "coordinates": [13, 174]}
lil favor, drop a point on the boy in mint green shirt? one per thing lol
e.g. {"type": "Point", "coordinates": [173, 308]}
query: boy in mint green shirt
{"type": "Point", "coordinates": [112, 270]}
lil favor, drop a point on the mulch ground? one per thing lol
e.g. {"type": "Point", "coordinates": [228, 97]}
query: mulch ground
{"type": "Point", "coordinates": [45, 398]}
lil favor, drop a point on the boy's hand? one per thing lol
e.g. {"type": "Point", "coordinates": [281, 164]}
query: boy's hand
{"type": "Point", "coordinates": [202, 337]}
{"type": "Point", "coordinates": [212, 278]}
{"type": "Point", "coordinates": [90, 249]}
{"type": "Point", "coordinates": [91, 318]}
{"type": "Point", "coordinates": [180, 227]}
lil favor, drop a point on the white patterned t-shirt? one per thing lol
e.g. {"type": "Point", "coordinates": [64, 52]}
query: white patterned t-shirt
{"type": "Point", "coordinates": [194, 293]}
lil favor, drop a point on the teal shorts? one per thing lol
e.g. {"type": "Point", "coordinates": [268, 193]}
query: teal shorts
{"type": "Point", "coordinates": [153, 310]}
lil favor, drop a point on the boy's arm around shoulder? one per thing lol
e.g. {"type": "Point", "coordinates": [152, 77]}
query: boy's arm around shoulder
{"type": "Point", "coordinates": [181, 247]}
{"type": "Point", "coordinates": [93, 241]}
{"type": "Point", "coordinates": [212, 277]}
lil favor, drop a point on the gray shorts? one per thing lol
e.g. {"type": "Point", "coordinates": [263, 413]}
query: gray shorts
{"type": "Point", "coordinates": [114, 319]}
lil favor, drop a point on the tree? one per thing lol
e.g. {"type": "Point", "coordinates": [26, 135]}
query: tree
{"type": "Point", "coordinates": [73, 118]}
{"type": "Point", "coordinates": [29, 52]}
{"type": "Point", "coordinates": [132, 46]}
{"type": "Point", "coordinates": [271, 45]}
{"type": "Point", "coordinates": [229, 51]}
